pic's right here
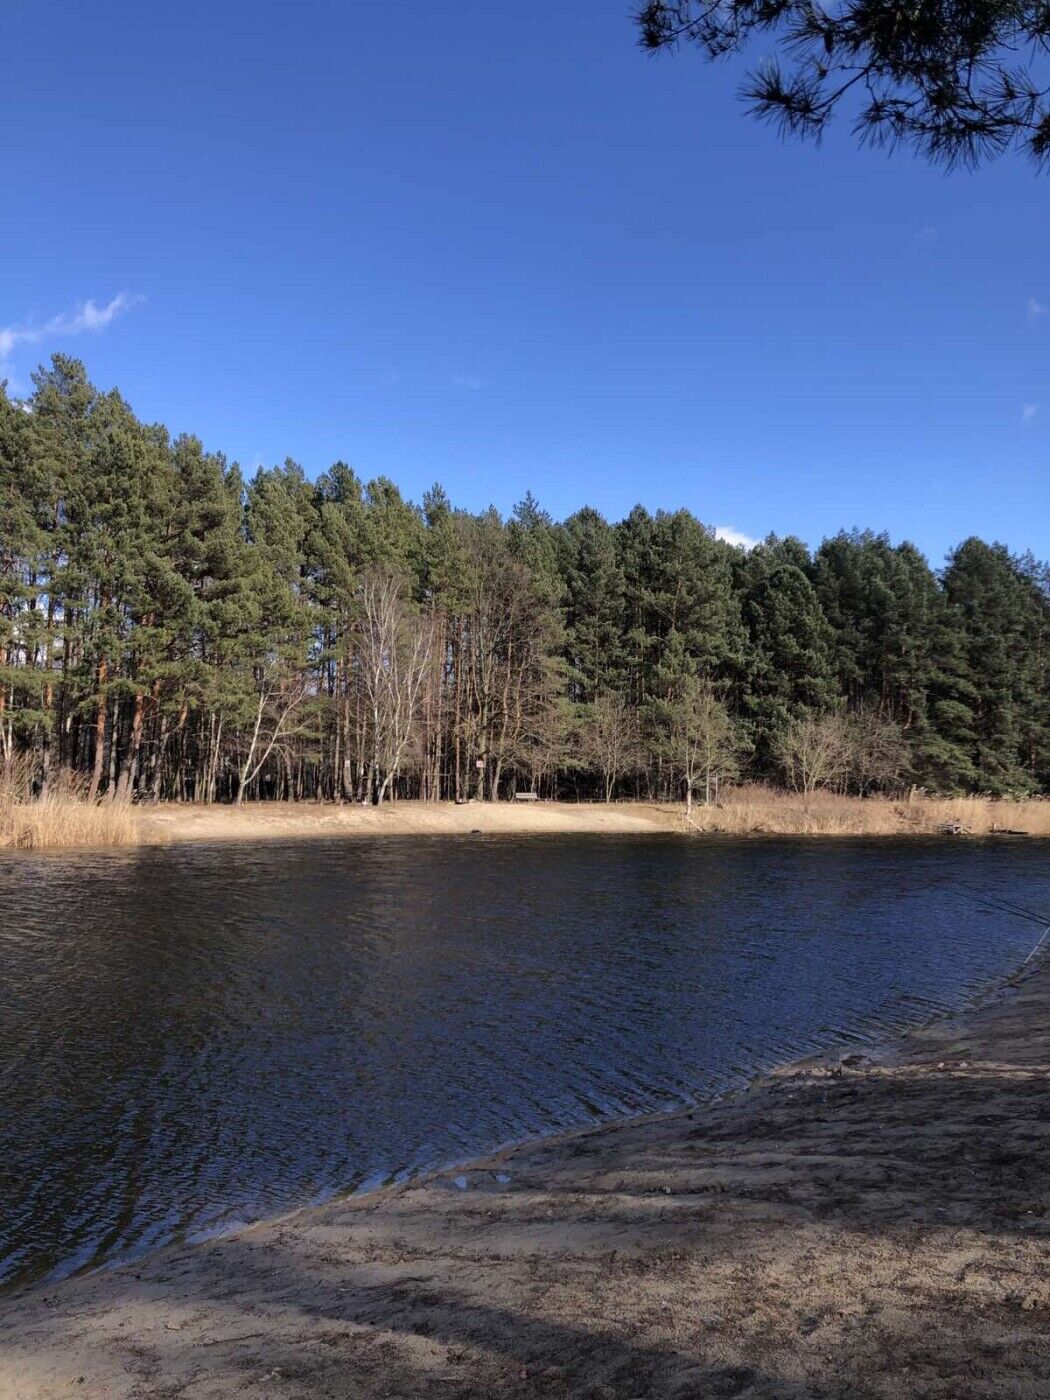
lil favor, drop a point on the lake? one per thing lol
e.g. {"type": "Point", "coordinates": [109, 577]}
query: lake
{"type": "Point", "coordinates": [193, 1038]}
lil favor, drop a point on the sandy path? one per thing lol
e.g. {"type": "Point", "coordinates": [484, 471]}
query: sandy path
{"type": "Point", "coordinates": [858, 1231]}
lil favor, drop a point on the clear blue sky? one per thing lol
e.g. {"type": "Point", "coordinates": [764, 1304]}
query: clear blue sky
{"type": "Point", "coordinates": [499, 247]}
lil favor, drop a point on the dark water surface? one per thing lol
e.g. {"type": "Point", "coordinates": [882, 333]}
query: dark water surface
{"type": "Point", "coordinates": [193, 1038]}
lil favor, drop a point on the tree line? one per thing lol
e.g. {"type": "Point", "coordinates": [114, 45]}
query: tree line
{"type": "Point", "coordinates": [172, 630]}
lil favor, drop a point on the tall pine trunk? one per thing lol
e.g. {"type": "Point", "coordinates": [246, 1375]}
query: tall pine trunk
{"type": "Point", "coordinates": [129, 766]}
{"type": "Point", "coordinates": [100, 734]}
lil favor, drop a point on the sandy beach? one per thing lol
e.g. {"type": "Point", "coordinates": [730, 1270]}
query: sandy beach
{"type": "Point", "coordinates": [271, 821]}
{"type": "Point", "coordinates": [63, 824]}
{"type": "Point", "coordinates": [746, 811]}
{"type": "Point", "coordinates": [844, 1228]}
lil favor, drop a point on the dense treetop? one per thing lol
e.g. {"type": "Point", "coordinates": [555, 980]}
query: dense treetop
{"type": "Point", "coordinates": [169, 629]}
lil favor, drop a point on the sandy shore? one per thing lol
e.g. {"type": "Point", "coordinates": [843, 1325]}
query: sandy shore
{"type": "Point", "coordinates": [293, 821]}
{"type": "Point", "coordinates": [859, 1229]}
{"type": "Point", "coordinates": [747, 812]}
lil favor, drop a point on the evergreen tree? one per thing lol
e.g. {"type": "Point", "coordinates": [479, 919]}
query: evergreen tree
{"type": "Point", "coordinates": [24, 512]}
{"type": "Point", "coordinates": [943, 79]}
{"type": "Point", "coordinates": [168, 631]}
{"type": "Point", "coordinates": [791, 671]}
{"type": "Point", "coordinates": [594, 605]}
{"type": "Point", "coordinates": [1002, 620]}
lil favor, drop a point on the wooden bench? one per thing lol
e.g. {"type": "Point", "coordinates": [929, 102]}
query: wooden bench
{"type": "Point", "coordinates": [526, 797]}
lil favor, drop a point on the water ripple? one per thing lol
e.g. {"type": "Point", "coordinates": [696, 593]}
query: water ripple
{"type": "Point", "coordinates": [191, 1039]}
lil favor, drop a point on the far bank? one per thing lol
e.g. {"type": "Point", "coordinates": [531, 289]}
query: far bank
{"type": "Point", "coordinates": [745, 811]}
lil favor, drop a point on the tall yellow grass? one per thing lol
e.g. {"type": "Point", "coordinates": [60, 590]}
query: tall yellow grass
{"type": "Point", "coordinates": [62, 819]}
{"type": "Point", "coordinates": [66, 819]}
{"type": "Point", "coordinates": [755, 809]}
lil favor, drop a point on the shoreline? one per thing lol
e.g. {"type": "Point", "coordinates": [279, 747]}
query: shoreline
{"type": "Point", "coordinates": [177, 824]}
{"type": "Point", "coordinates": [870, 1225]}
{"type": "Point", "coordinates": [743, 812]}
{"type": "Point", "coordinates": [779, 814]}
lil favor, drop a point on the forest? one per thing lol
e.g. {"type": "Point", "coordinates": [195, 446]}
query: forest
{"type": "Point", "coordinates": [173, 630]}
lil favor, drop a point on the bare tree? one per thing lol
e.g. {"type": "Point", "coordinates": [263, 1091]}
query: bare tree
{"type": "Point", "coordinates": [279, 700]}
{"type": "Point", "coordinates": [878, 751]}
{"type": "Point", "coordinates": [700, 739]}
{"type": "Point", "coordinates": [814, 751]}
{"type": "Point", "coordinates": [393, 655]}
{"type": "Point", "coordinates": [609, 736]}
{"type": "Point", "coordinates": [509, 669]}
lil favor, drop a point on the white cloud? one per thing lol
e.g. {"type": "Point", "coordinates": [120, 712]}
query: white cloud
{"type": "Point", "coordinates": [927, 234]}
{"type": "Point", "coordinates": [467, 381]}
{"type": "Point", "coordinates": [87, 317]}
{"type": "Point", "coordinates": [734, 537]}
{"type": "Point", "coordinates": [1028, 412]}
{"type": "Point", "coordinates": [1037, 309]}
{"type": "Point", "coordinates": [15, 386]}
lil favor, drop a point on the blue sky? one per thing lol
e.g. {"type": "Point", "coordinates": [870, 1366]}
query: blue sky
{"type": "Point", "coordinates": [502, 249]}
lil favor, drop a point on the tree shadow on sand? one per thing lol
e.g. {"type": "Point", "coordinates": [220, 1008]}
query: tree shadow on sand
{"type": "Point", "coordinates": [863, 1234]}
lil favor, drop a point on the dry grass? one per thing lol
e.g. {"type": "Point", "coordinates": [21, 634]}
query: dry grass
{"type": "Point", "coordinates": [981, 816]}
{"type": "Point", "coordinates": [66, 819]}
{"type": "Point", "coordinates": [65, 822]}
{"type": "Point", "coordinates": [63, 819]}
{"type": "Point", "coordinates": [754, 809]}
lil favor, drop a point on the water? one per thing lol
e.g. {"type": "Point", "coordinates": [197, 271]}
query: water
{"type": "Point", "coordinates": [194, 1038]}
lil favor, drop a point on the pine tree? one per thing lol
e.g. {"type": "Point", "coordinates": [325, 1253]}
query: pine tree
{"type": "Point", "coordinates": [24, 512]}
{"type": "Point", "coordinates": [1001, 620]}
{"type": "Point", "coordinates": [167, 631]}
{"type": "Point", "coordinates": [594, 605]}
{"type": "Point", "coordinates": [791, 669]}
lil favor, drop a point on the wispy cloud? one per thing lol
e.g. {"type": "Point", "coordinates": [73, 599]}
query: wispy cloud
{"type": "Point", "coordinates": [468, 381]}
{"type": "Point", "coordinates": [1037, 309]}
{"type": "Point", "coordinates": [734, 537]}
{"type": "Point", "coordinates": [926, 234]}
{"type": "Point", "coordinates": [87, 317]}
{"type": "Point", "coordinates": [1028, 412]}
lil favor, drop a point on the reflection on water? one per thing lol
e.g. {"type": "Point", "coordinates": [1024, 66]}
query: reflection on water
{"type": "Point", "coordinates": [190, 1039]}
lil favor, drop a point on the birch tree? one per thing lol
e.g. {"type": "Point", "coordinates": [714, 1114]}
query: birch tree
{"type": "Point", "coordinates": [395, 644]}
{"type": "Point", "coordinates": [610, 739]}
{"type": "Point", "coordinates": [700, 739]}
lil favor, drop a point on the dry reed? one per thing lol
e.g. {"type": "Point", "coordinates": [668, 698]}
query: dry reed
{"type": "Point", "coordinates": [756, 809]}
{"type": "Point", "coordinates": [62, 819]}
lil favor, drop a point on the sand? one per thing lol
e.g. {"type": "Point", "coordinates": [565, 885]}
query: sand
{"type": "Point", "coordinates": [61, 823]}
{"type": "Point", "coordinates": [873, 1228]}
{"type": "Point", "coordinates": [746, 811]}
{"type": "Point", "coordinates": [262, 821]}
